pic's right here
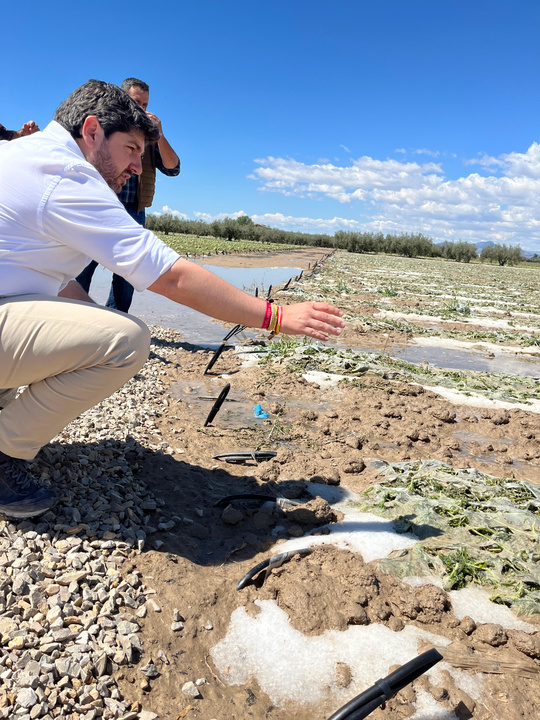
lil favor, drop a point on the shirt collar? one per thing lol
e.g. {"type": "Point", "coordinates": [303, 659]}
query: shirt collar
{"type": "Point", "coordinates": [58, 134]}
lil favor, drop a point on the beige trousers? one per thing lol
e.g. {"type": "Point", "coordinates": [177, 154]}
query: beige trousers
{"type": "Point", "coordinates": [70, 354]}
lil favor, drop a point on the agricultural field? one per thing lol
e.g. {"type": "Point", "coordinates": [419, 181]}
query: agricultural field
{"type": "Point", "coordinates": [473, 320]}
{"type": "Point", "coordinates": [195, 246]}
{"type": "Point", "coordinates": [412, 444]}
{"type": "Point", "coordinates": [395, 472]}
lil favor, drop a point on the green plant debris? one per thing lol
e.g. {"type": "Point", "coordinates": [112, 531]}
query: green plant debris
{"type": "Point", "coordinates": [388, 291]}
{"type": "Point", "coordinates": [454, 295]}
{"type": "Point", "coordinates": [472, 528]}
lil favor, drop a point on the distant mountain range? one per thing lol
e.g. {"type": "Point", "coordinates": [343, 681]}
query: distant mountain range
{"type": "Point", "coordinates": [481, 245]}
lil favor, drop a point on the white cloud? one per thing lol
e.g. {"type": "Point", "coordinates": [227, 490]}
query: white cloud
{"type": "Point", "coordinates": [305, 224]}
{"type": "Point", "coordinates": [166, 210]}
{"type": "Point", "coordinates": [395, 195]}
{"type": "Point", "coordinates": [425, 151]}
{"type": "Point", "coordinates": [204, 216]}
{"type": "Point", "coordinates": [291, 177]}
{"type": "Point", "coordinates": [483, 160]}
{"type": "Point", "coordinates": [345, 148]}
{"type": "Point", "coordinates": [207, 217]}
{"type": "Point", "coordinates": [420, 151]}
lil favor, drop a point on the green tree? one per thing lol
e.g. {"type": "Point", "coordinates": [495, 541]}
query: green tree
{"type": "Point", "coordinates": [502, 254]}
{"type": "Point", "coordinates": [464, 252]}
{"type": "Point", "coordinates": [216, 230]}
{"type": "Point", "coordinates": [231, 229]}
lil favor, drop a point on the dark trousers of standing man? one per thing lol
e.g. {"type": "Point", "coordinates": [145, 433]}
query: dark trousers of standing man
{"type": "Point", "coordinates": [121, 292]}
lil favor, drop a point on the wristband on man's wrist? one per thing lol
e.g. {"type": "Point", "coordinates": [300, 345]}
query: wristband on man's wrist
{"type": "Point", "coordinates": [272, 318]}
{"type": "Point", "coordinates": [267, 316]}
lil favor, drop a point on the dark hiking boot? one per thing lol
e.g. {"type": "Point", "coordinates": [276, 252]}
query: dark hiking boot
{"type": "Point", "coordinates": [20, 495]}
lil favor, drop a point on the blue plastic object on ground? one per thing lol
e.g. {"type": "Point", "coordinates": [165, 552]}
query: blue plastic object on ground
{"type": "Point", "coordinates": [259, 412]}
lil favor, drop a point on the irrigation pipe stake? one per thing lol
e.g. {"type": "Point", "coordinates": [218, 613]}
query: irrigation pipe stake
{"type": "Point", "coordinates": [236, 329]}
{"type": "Point", "coordinates": [214, 357]}
{"type": "Point", "coordinates": [216, 406]}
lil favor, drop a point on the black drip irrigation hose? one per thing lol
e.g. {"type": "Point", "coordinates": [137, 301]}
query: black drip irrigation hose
{"type": "Point", "coordinates": [283, 503]}
{"type": "Point", "coordinates": [244, 496]}
{"type": "Point", "coordinates": [364, 704]}
{"type": "Point", "coordinates": [269, 564]}
{"type": "Point", "coordinates": [238, 328]}
{"type": "Point", "coordinates": [241, 457]}
{"type": "Point", "coordinates": [219, 402]}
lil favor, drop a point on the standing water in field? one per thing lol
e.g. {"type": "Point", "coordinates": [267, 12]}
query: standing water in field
{"type": "Point", "coordinates": [197, 328]}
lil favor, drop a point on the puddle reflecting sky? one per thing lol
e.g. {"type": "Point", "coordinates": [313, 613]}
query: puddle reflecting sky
{"type": "Point", "coordinates": [451, 358]}
{"type": "Point", "coordinates": [455, 359]}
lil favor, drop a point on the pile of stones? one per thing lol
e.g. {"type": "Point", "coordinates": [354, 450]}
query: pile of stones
{"type": "Point", "coordinates": [69, 616]}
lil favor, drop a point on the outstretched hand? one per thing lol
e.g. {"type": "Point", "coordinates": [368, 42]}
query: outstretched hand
{"type": "Point", "coordinates": [313, 319]}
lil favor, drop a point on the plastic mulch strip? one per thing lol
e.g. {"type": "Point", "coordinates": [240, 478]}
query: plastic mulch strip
{"type": "Point", "coordinates": [473, 528]}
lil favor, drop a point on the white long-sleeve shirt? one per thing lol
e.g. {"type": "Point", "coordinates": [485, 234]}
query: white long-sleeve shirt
{"type": "Point", "coordinates": [57, 212]}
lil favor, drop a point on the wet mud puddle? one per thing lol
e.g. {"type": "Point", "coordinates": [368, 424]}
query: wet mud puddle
{"type": "Point", "coordinates": [237, 410]}
{"type": "Point", "coordinates": [475, 447]}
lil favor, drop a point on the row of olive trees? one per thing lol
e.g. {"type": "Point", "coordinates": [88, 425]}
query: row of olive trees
{"type": "Point", "coordinates": [407, 244]}
{"type": "Point", "coordinates": [242, 228]}
{"type": "Point", "coordinates": [404, 244]}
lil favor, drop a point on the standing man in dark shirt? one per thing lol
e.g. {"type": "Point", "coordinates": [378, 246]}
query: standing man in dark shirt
{"type": "Point", "coordinates": [27, 129]}
{"type": "Point", "coordinates": [138, 192]}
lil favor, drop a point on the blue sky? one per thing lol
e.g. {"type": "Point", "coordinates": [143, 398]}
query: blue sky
{"type": "Point", "coordinates": [314, 115]}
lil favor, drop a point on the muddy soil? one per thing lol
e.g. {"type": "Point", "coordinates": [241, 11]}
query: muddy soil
{"type": "Point", "coordinates": [326, 436]}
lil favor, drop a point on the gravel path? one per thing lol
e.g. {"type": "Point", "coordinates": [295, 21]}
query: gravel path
{"type": "Point", "coordinates": [69, 616]}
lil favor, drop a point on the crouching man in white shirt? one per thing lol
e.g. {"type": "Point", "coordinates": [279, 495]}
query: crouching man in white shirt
{"type": "Point", "coordinates": [58, 211]}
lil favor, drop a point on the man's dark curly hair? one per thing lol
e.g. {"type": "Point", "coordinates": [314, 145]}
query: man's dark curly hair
{"type": "Point", "coordinates": [113, 107]}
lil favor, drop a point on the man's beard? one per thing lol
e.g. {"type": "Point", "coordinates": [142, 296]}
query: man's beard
{"type": "Point", "coordinates": [107, 169]}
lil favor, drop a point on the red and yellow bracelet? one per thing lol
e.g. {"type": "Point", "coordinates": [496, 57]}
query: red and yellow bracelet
{"type": "Point", "coordinates": [272, 318]}
{"type": "Point", "coordinates": [275, 326]}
